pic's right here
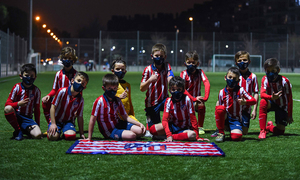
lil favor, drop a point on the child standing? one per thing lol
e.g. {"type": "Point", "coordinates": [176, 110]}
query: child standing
{"type": "Point", "coordinates": [62, 78]}
{"type": "Point", "coordinates": [248, 81]}
{"type": "Point", "coordinates": [276, 95]}
{"type": "Point", "coordinates": [118, 67]}
{"type": "Point", "coordinates": [22, 102]}
{"type": "Point", "coordinates": [155, 80]}
{"type": "Point", "coordinates": [179, 120]}
{"type": "Point", "coordinates": [66, 106]}
{"type": "Point", "coordinates": [106, 109]}
{"type": "Point", "coordinates": [229, 106]}
{"type": "Point", "coordinates": [193, 78]}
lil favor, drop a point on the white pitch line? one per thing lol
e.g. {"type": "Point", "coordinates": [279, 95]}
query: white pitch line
{"type": "Point", "coordinates": [296, 100]}
{"type": "Point", "coordinates": [8, 79]}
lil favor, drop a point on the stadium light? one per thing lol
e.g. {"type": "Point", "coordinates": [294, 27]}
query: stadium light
{"type": "Point", "coordinates": [192, 20]}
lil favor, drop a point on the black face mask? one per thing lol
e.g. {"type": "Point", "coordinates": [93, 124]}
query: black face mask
{"type": "Point", "coordinates": [67, 63]}
{"type": "Point", "coordinates": [272, 76]}
{"type": "Point", "coordinates": [77, 87]}
{"type": "Point", "coordinates": [232, 83]}
{"type": "Point", "coordinates": [28, 80]}
{"type": "Point", "coordinates": [158, 60]}
{"type": "Point", "coordinates": [110, 93]}
{"type": "Point", "coordinates": [177, 95]}
{"type": "Point", "coordinates": [120, 74]}
{"type": "Point", "coordinates": [191, 68]}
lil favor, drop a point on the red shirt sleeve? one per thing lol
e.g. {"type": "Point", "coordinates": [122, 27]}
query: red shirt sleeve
{"type": "Point", "coordinates": [263, 90]}
{"type": "Point", "coordinates": [189, 95]}
{"type": "Point", "coordinates": [206, 87]}
{"type": "Point", "coordinates": [9, 101]}
{"type": "Point", "coordinates": [165, 123]}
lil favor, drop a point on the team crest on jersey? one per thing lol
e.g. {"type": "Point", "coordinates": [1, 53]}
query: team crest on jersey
{"type": "Point", "coordinates": [31, 97]}
{"type": "Point", "coordinates": [183, 107]}
{"type": "Point", "coordinates": [248, 81]}
{"type": "Point", "coordinates": [75, 104]}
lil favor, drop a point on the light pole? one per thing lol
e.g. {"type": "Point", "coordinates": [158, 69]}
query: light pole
{"type": "Point", "coordinates": [30, 33]}
{"type": "Point", "coordinates": [191, 19]}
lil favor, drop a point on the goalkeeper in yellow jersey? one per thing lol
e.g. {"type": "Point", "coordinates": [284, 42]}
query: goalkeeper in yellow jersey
{"type": "Point", "coordinates": [118, 67]}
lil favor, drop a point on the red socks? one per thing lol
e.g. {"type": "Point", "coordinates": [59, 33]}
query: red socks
{"type": "Point", "coordinates": [236, 136]}
{"type": "Point", "coordinates": [263, 109]}
{"type": "Point", "coordinates": [180, 136]}
{"type": "Point", "coordinates": [70, 136]}
{"type": "Point", "coordinates": [153, 130]}
{"type": "Point", "coordinates": [220, 118]}
{"type": "Point", "coordinates": [46, 108]}
{"type": "Point", "coordinates": [13, 121]}
{"type": "Point", "coordinates": [275, 130]}
{"type": "Point", "coordinates": [201, 115]}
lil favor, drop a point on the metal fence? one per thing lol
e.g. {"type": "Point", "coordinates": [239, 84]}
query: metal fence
{"type": "Point", "coordinates": [135, 48]}
{"type": "Point", "coordinates": [13, 53]}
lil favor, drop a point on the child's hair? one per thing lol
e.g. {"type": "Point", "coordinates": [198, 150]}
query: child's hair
{"type": "Point", "coordinates": [117, 60]}
{"type": "Point", "coordinates": [68, 53]}
{"type": "Point", "coordinates": [28, 67]}
{"type": "Point", "coordinates": [234, 70]}
{"type": "Point", "coordinates": [178, 81]}
{"type": "Point", "coordinates": [240, 53]}
{"type": "Point", "coordinates": [110, 79]}
{"type": "Point", "coordinates": [192, 54]}
{"type": "Point", "coordinates": [272, 62]}
{"type": "Point", "coordinates": [80, 73]}
{"type": "Point", "coordinates": [159, 47]}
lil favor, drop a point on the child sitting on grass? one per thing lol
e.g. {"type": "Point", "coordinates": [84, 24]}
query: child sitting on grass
{"type": "Point", "coordinates": [22, 102]}
{"type": "Point", "coordinates": [66, 106]}
{"type": "Point", "coordinates": [105, 111]}
{"type": "Point", "coordinates": [179, 120]}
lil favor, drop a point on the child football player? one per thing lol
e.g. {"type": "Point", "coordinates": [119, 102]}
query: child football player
{"type": "Point", "coordinates": [106, 111]}
{"type": "Point", "coordinates": [193, 78]}
{"type": "Point", "coordinates": [229, 106]}
{"type": "Point", "coordinates": [118, 67]}
{"type": "Point", "coordinates": [155, 80]}
{"type": "Point", "coordinates": [179, 120]}
{"type": "Point", "coordinates": [22, 102]}
{"type": "Point", "coordinates": [276, 95]}
{"type": "Point", "coordinates": [62, 78]}
{"type": "Point", "coordinates": [66, 106]}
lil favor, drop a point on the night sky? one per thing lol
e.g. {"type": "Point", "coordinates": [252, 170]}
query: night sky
{"type": "Point", "coordinates": [70, 15]}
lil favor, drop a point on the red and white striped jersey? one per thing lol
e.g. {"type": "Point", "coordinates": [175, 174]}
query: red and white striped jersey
{"type": "Point", "coordinates": [285, 101]}
{"type": "Point", "coordinates": [229, 99]}
{"type": "Point", "coordinates": [107, 114]}
{"type": "Point", "coordinates": [18, 93]}
{"type": "Point", "coordinates": [193, 83]}
{"type": "Point", "coordinates": [157, 91]}
{"type": "Point", "coordinates": [62, 79]}
{"type": "Point", "coordinates": [181, 113]}
{"type": "Point", "coordinates": [67, 105]}
{"type": "Point", "coordinates": [250, 84]}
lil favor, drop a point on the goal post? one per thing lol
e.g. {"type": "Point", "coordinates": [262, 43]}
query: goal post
{"type": "Point", "coordinates": [221, 62]}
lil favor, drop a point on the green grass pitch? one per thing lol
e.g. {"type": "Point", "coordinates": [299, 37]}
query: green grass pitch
{"type": "Point", "coordinates": [276, 157]}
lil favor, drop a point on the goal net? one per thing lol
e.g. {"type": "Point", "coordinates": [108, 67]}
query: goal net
{"type": "Point", "coordinates": [221, 62]}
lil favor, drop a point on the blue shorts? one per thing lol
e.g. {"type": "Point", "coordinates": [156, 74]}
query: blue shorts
{"type": "Point", "coordinates": [175, 129]}
{"type": "Point", "coordinates": [246, 119]}
{"type": "Point", "coordinates": [116, 134]}
{"type": "Point", "coordinates": [64, 126]}
{"type": "Point", "coordinates": [25, 121]}
{"type": "Point", "coordinates": [233, 123]}
{"type": "Point", "coordinates": [280, 114]}
{"type": "Point", "coordinates": [154, 115]}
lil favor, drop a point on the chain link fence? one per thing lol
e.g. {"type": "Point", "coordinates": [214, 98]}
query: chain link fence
{"type": "Point", "coordinates": [135, 48]}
